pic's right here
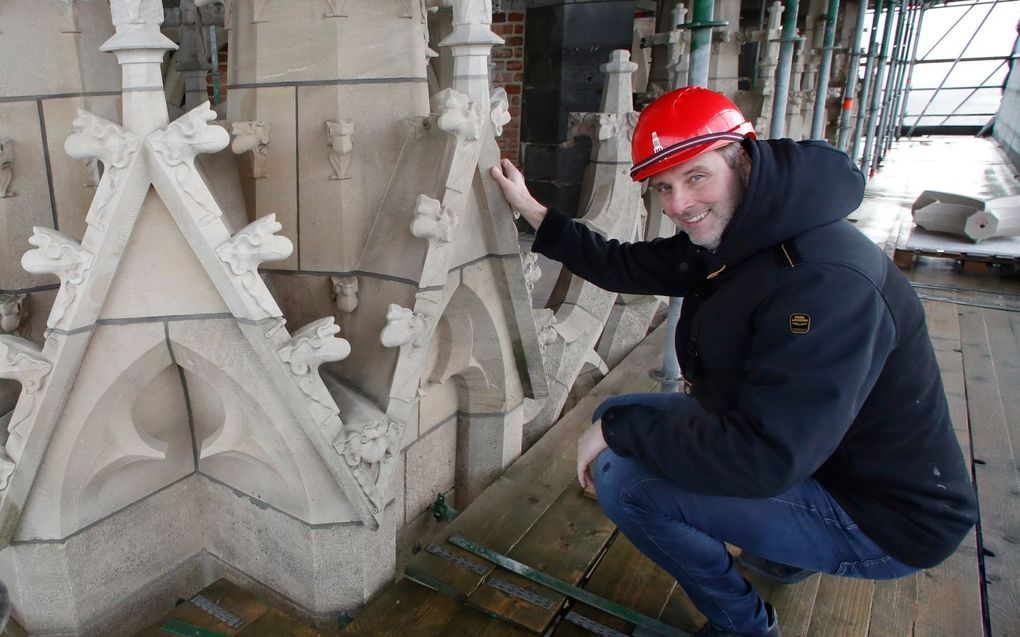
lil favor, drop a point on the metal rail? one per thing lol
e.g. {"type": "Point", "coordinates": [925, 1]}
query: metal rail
{"type": "Point", "coordinates": [571, 591]}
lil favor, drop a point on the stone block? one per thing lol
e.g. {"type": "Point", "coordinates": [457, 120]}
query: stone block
{"type": "Point", "coordinates": [69, 585]}
{"type": "Point", "coordinates": [486, 445]}
{"type": "Point", "coordinates": [71, 34]}
{"type": "Point", "coordinates": [430, 467]}
{"type": "Point", "coordinates": [142, 287]}
{"type": "Point", "coordinates": [295, 42]}
{"type": "Point", "coordinates": [337, 215]}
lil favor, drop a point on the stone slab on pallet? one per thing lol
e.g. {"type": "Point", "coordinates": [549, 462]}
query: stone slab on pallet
{"type": "Point", "coordinates": [915, 242]}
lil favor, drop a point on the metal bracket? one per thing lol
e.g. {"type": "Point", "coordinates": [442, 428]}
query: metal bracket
{"type": "Point", "coordinates": [459, 560]}
{"type": "Point", "coordinates": [592, 625]}
{"type": "Point", "coordinates": [224, 616]}
{"type": "Point", "coordinates": [521, 593]}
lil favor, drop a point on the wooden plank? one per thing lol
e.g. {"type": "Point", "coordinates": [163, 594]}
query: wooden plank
{"type": "Point", "coordinates": [275, 623]}
{"type": "Point", "coordinates": [679, 611]}
{"type": "Point", "coordinates": [949, 595]}
{"type": "Point", "coordinates": [991, 358]}
{"type": "Point", "coordinates": [842, 607]}
{"type": "Point", "coordinates": [794, 603]}
{"type": "Point", "coordinates": [405, 609]}
{"type": "Point", "coordinates": [626, 576]}
{"type": "Point", "coordinates": [944, 329]}
{"type": "Point", "coordinates": [563, 543]}
{"type": "Point", "coordinates": [894, 607]}
{"type": "Point", "coordinates": [502, 515]}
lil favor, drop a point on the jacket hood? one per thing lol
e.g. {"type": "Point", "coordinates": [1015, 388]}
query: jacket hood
{"type": "Point", "coordinates": [793, 187]}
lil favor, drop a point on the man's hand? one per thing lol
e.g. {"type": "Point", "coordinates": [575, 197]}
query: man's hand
{"type": "Point", "coordinates": [589, 446]}
{"type": "Point", "coordinates": [511, 182]}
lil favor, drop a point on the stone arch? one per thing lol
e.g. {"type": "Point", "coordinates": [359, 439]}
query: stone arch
{"type": "Point", "coordinates": [473, 350]}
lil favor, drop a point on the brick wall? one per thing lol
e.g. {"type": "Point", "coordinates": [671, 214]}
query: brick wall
{"type": "Point", "coordinates": [508, 73]}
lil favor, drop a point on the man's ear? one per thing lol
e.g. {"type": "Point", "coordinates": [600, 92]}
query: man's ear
{"type": "Point", "coordinates": [744, 166]}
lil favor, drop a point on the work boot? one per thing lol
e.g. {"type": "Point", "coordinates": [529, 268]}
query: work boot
{"type": "Point", "coordinates": [708, 630]}
{"type": "Point", "coordinates": [773, 571]}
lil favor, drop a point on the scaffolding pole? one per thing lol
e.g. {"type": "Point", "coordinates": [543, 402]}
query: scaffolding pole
{"type": "Point", "coordinates": [876, 91]}
{"type": "Point", "coordinates": [891, 87]}
{"type": "Point", "coordinates": [910, 69]}
{"type": "Point", "coordinates": [818, 121]}
{"type": "Point", "coordinates": [900, 86]}
{"type": "Point", "coordinates": [777, 128]}
{"type": "Point", "coordinates": [850, 87]}
{"type": "Point", "coordinates": [670, 376]}
{"type": "Point", "coordinates": [869, 68]}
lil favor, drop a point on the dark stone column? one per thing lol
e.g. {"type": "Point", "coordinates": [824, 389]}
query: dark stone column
{"type": "Point", "coordinates": [565, 45]}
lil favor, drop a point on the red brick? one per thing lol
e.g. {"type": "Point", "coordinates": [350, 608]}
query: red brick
{"type": "Point", "coordinates": [498, 17]}
{"type": "Point", "coordinates": [502, 53]}
{"type": "Point", "coordinates": [513, 89]}
{"type": "Point", "coordinates": [516, 16]}
{"type": "Point", "coordinates": [519, 29]}
{"type": "Point", "coordinates": [514, 40]}
{"type": "Point", "coordinates": [514, 112]}
{"type": "Point", "coordinates": [518, 52]}
{"type": "Point", "coordinates": [503, 29]}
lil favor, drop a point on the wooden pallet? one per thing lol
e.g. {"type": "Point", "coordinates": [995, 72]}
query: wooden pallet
{"type": "Point", "coordinates": [967, 262]}
{"type": "Point", "coordinates": [971, 258]}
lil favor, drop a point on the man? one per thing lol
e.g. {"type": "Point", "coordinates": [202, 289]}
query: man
{"type": "Point", "coordinates": [814, 432]}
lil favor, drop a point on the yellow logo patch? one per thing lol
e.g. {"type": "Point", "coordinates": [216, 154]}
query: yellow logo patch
{"type": "Point", "coordinates": [800, 323]}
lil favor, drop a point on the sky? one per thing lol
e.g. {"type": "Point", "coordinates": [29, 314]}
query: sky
{"type": "Point", "coordinates": [945, 33]}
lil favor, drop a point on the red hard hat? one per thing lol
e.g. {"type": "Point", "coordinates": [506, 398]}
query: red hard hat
{"type": "Point", "coordinates": [681, 125]}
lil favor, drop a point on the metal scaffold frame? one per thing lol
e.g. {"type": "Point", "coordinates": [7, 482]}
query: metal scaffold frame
{"type": "Point", "coordinates": [888, 66]}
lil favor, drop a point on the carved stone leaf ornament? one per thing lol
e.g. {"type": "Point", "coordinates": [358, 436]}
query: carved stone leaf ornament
{"type": "Point", "coordinates": [434, 221]}
{"type": "Point", "coordinates": [532, 273]}
{"type": "Point", "coordinates": [14, 313]}
{"type": "Point", "coordinates": [245, 251]}
{"type": "Point", "coordinates": [252, 137]}
{"type": "Point", "coordinates": [370, 452]}
{"type": "Point", "coordinates": [458, 115]}
{"type": "Point", "coordinates": [345, 291]}
{"type": "Point", "coordinates": [499, 110]}
{"type": "Point", "coordinates": [310, 347]}
{"type": "Point", "coordinates": [178, 145]}
{"type": "Point", "coordinates": [403, 327]}
{"type": "Point", "coordinates": [21, 360]}
{"type": "Point", "coordinates": [97, 139]}
{"type": "Point", "coordinates": [56, 253]}
{"type": "Point", "coordinates": [340, 136]}
{"type": "Point", "coordinates": [313, 345]}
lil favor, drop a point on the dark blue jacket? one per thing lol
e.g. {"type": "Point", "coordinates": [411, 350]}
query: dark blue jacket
{"type": "Point", "coordinates": [807, 351]}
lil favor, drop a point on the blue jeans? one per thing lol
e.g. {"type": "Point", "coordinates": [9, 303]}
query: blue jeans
{"type": "Point", "coordinates": [684, 532]}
